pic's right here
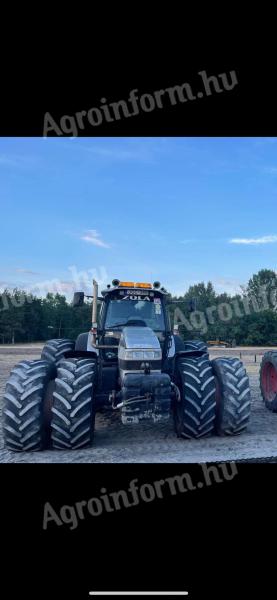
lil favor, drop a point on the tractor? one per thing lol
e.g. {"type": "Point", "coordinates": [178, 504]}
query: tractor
{"type": "Point", "coordinates": [132, 360]}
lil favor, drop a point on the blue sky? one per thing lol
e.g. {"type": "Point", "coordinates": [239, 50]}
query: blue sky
{"type": "Point", "coordinates": [180, 210]}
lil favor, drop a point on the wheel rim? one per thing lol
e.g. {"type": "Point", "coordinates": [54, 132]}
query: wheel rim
{"type": "Point", "coordinates": [269, 381]}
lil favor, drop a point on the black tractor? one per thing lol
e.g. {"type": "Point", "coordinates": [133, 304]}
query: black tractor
{"type": "Point", "coordinates": [131, 360]}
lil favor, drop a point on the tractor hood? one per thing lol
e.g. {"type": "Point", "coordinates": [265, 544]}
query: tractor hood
{"type": "Point", "coordinates": [139, 350]}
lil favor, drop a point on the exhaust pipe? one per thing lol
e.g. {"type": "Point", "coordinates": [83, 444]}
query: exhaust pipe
{"type": "Point", "coordinates": [94, 310]}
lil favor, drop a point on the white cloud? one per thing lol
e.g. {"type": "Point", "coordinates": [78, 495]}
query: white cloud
{"type": "Point", "coordinates": [270, 170]}
{"type": "Point", "coordinates": [186, 241]}
{"type": "Point", "coordinates": [227, 284]}
{"type": "Point", "coordinates": [140, 150]}
{"type": "Point", "coordinates": [266, 141]}
{"type": "Point", "coordinates": [93, 237]}
{"type": "Point", "coordinates": [266, 239]}
{"type": "Point", "coordinates": [7, 161]}
{"type": "Point", "coordinates": [26, 271]}
{"type": "Point", "coordinates": [117, 153]}
{"type": "Point", "coordinates": [18, 161]}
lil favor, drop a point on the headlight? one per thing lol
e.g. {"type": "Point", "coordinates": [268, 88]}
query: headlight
{"type": "Point", "coordinates": [143, 355]}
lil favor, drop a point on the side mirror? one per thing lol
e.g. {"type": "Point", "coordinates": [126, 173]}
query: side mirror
{"type": "Point", "coordinates": [192, 305]}
{"type": "Point", "coordinates": [78, 299]}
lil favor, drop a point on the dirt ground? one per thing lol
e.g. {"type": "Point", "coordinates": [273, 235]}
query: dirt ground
{"type": "Point", "coordinates": [117, 443]}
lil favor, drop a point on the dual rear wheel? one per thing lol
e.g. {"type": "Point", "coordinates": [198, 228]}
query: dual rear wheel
{"type": "Point", "coordinates": [50, 402]}
{"type": "Point", "coordinates": [215, 397]}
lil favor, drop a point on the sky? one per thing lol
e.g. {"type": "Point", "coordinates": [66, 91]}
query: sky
{"type": "Point", "coordinates": [177, 210]}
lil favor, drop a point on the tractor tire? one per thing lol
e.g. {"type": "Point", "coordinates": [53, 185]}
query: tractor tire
{"type": "Point", "coordinates": [232, 396]}
{"type": "Point", "coordinates": [81, 343]}
{"type": "Point", "coordinates": [194, 415]}
{"type": "Point", "coordinates": [54, 350]}
{"type": "Point", "coordinates": [196, 345]}
{"type": "Point", "coordinates": [73, 407]}
{"type": "Point", "coordinates": [268, 380]}
{"type": "Point", "coordinates": [189, 344]}
{"type": "Point", "coordinates": [23, 411]}
{"type": "Point", "coordinates": [178, 342]}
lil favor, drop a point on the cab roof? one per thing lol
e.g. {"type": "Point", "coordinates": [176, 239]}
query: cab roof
{"type": "Point", "coordinates": [136, 288]}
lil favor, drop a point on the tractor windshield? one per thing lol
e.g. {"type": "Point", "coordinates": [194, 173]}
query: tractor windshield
{"type": "Point", "coordinates": [149, 311]}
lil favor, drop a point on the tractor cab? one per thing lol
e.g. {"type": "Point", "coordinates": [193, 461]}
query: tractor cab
{"type": "Point", "coordinates": [129, 304]}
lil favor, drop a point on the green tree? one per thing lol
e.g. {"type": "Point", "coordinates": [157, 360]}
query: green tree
{"type": "Point", "coordinates": [262, 288]}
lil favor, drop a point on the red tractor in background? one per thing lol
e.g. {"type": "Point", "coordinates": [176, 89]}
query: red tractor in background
{"type": "Point", "coordinates": [268, 379]}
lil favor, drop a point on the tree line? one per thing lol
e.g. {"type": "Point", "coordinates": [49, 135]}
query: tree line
{"type": "Point", "coordinates": [25, 318]}
{"type": "Point", "coordinates": [245, 318]}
